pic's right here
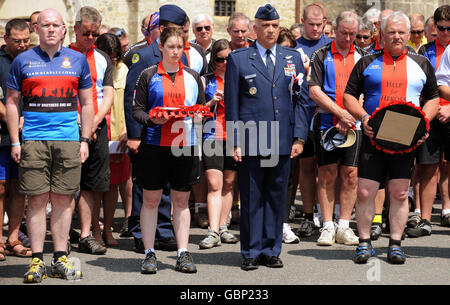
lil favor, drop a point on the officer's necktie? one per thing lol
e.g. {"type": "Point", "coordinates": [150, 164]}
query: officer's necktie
{"type": "Point", "coordinates": [269, 63]}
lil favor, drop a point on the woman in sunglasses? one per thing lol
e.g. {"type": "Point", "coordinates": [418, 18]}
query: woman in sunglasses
{"type": "Point", "coordinates": [167, 151]}
{"type": "Point", "coordinates": [220, 168]}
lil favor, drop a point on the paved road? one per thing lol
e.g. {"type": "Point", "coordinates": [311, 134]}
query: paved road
{"type": "Point", "coordinates": [304, 263]}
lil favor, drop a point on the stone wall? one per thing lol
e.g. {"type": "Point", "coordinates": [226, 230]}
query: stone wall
{"type": "Point", "coordinates": [128, 14]}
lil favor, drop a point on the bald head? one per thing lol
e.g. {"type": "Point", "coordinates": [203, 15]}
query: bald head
{"type": "Point", "coordinates": [49, 13]}
{"type": "Point", "coordinates": [50, 28]}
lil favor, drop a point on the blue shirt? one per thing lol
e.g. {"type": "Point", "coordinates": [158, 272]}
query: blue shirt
{"type": "Point", "coordinates": [49, 88]}
{"type": "Point", "coordinates": [308, 47]}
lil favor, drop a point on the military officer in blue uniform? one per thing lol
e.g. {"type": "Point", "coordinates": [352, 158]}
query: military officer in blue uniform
{"type": "Point", "coordinates": [170, 16]}
{"type": "Point", "coordinates": [262, 93]}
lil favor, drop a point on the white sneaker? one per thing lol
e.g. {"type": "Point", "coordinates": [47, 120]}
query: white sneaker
{"type": "Point", "coordinates": [288, 236]}
{"type": "Point", "coordinates": [327, 236]}
{"type": "Point", "coordinates": [346, 236]}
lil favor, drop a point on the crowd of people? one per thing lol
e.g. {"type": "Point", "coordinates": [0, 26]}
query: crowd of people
{"type": "Point", "coordinates": [78, 128]}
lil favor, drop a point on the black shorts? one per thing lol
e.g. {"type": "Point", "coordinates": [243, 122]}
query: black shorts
{"type": "Point", "coordinates": [430, 152]}
{"type": "Point", "coordinates": [379, 166]}
{"type": "Point", "coordinates": [95, 172]}
{"type": "Point", "coordinates": [344, 156]}
{"type": "Point", "coordinates": [214, 156]}
{"type": "Point", "coordinates": [308, 148]}
{"type": "Point", "coordinates": [156, 166]}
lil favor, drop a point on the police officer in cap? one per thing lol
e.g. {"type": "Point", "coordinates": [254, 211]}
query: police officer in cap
{"type": "Point", "coordinates": [170, 16]}
{"type": "Point", "coordinates": [262, 91]}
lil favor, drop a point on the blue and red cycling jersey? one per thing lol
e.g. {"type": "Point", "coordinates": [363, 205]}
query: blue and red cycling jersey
{"type": "Point", "coordinates": [156, 88]}
{"type": "Point", "coordinates": [384, 79]}
{"type": "Point", "coordinates": [434, 51]}
{"type": "Point", "coordinates": [49, 88]}
{"type": "Point", "coordinates": [330, 71]}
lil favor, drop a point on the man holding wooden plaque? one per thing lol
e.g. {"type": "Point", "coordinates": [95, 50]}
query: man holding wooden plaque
{"type": "Point", "coordinates": [391, 75]}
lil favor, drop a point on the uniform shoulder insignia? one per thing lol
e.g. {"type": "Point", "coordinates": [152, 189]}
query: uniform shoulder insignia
{"type": "Point", "coordinates": [135, 58]}
{"type": "Point", "coordinates": [239, 50]}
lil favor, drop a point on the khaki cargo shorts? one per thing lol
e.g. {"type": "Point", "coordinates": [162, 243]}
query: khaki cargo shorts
{"type": "Point", "coordinates": [50, 166]}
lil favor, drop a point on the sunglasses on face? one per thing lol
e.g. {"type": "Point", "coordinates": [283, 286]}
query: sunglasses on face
{"type": "Point", "coordinates": [200, 28]}
{"type": "Point", "coordinates": [443, 28]}
{"type": "Point", "coordinates": [221, 59]}
{"type": "Point", "coordinates": [417, 32]}
{"type": "Point", "coordinates": [19, 41]}
{"type": "Point", "coordinates": [362, 36]}
{"type": "Point", "coordinates": [87, 34]}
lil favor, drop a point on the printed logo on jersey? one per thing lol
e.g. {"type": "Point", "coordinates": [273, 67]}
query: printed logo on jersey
{"type": "Point", "coordinates": [66, 64]}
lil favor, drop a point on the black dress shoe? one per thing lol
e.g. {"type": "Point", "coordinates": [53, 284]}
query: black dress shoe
{"type": "Point", "coordinates": [271, 261]}
{"type": "Point", "coordinates": [166, 244]}
{"type": "Point", "coordinates": [249, 264]}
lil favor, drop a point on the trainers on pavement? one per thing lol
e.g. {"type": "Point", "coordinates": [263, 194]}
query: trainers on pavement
{"type": "Point", "coordinates": [185, 263]}
{"type": "Point", "coordinates": [396, 255]}
{"type": "Point", "coordinates": [149, 264]}
{"type": "Point", "coordinates": [375, 230]}
{"type": "Point", "coordinates": [64, 268]}
{"type": "Point", "coordinates": [226, 237]}
{"type": "Point", "coordinates": [364, 251]}
{"type": "Point", "coordinates": [211, 240]}
{"type": "Point", "coordinates": [445, 220]}
{"type": "Point", "coordinates": [36, 271]}
{"type": "Point", "coordinates": [327, 236]}
{"type": "Point", "coordinates": [346, 236]}
{"type": "Point", "coordinates": [423, 228]}
{"type": "Point", "coordinates": [288, 236]}
{"type": "Point", "coordinates": [306, 229]}
{"type": "Point", "coordinates": [413, 220]}
{"type": "Point", "coordinates": [91, 245]}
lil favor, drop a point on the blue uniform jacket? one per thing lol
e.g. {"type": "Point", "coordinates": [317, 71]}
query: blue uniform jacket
{"type": "Point", "coordinates": [257, 101]}
{"type": "Point", "coordinates": [141, 60]}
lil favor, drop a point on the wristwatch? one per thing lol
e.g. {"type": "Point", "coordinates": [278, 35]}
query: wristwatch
{"type": "Point", "coordinates": [84, 139]}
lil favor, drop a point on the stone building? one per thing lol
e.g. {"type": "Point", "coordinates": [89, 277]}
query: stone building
{"type": "Point", "coordinates": [128, 14]}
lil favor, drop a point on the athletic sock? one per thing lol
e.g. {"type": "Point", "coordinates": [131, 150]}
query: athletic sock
{"type": "Point", "coordinates": [393, 242]}
{"type": "Point", "coordinates": [198, 205]}
{"type": "Point", "coordinates": [39, 255]}
{"type": "Point", "coordinates": [58, 254]}
{"type": "Point", "coordinates": [344, 223]}
{"type": "Point", "coordinates": [181, 250]}
{"type": "Point", "coordinates": [309, 216]}
{"type": "Point", "coordinates": [378, 218]}
{"type": "Point", "coordinates": [445, 212]}
{"type": "Point", "coordinates": [328, 224]}
{"type": "Point", "coordinates": [369, 241]}
{"type": "Point", "coordinates": [147, 251]}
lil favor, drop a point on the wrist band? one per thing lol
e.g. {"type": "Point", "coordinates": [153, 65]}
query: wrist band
{"type": "Point", "coordinates": [15, 144]}
{"type": "Point", "coordinates": [362, 119]}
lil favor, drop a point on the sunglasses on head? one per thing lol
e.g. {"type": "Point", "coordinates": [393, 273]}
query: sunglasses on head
{"type": "Point", "coordinates": [200, 28]}
{"type": "Point", "coordinates": [443, 28]}
{"type": "Point", "coordinates": [120, 32]}
{"type": "Point", "coordinates": [362, 36]}
{"type": "Point", "coordinates": [94, 34]}
{"type": "Point", "coordinates": [221, 59]}
{"type": "Point", "coordinates": [417, 32]}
